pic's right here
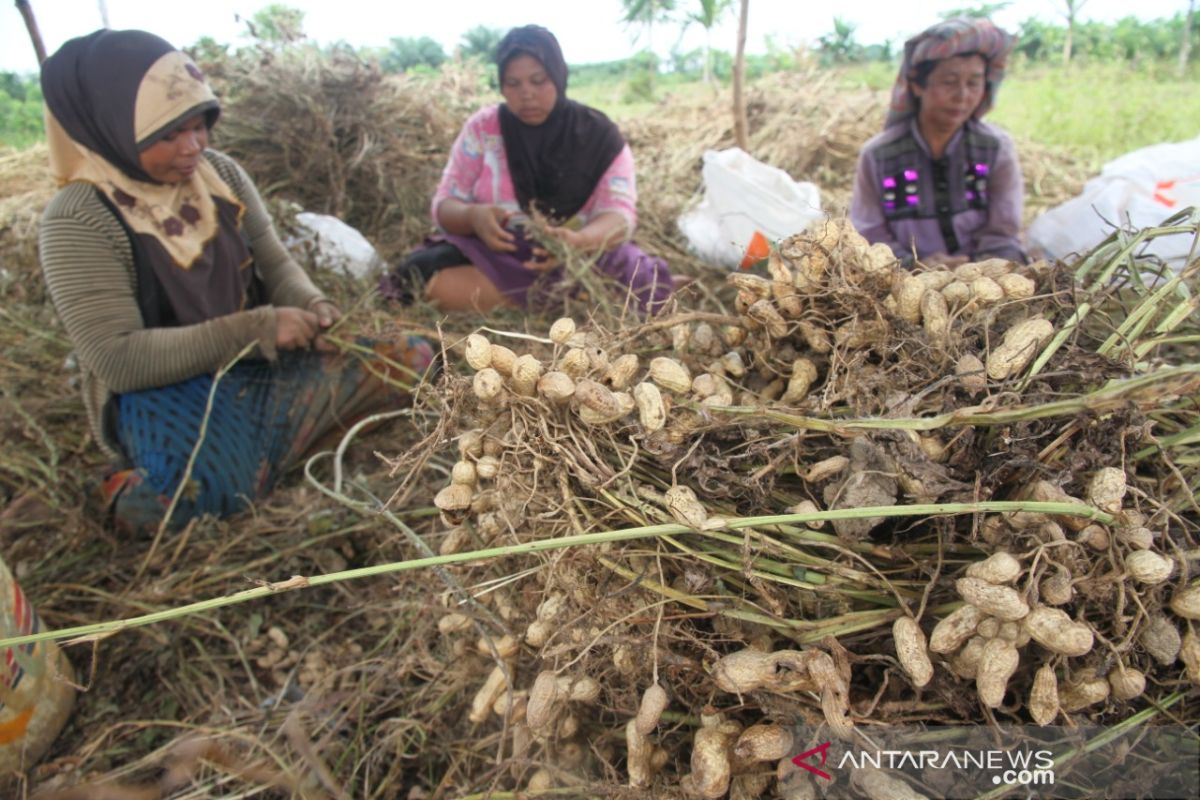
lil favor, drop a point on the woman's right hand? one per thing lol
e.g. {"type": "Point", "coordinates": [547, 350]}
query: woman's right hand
{"type": "Point", "coordinates": [295, 328]}
{"type": "Point", "coordinates": [487, 221]}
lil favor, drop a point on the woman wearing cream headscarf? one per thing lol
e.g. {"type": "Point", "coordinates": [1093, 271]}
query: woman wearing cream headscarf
{"type": "Point", "coordinates": [163, 265]}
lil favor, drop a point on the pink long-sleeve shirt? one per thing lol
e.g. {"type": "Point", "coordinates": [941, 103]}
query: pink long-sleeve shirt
{"type": "Point", "coordinates": [477, 172]}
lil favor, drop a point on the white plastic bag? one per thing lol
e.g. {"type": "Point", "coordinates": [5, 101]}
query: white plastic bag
{"type": "Point", "coordinates": [333, 245]}
{"type": "Point", "coordinates": [1139, 189]}
{"type": "Point", "coordinates": [746, 202]}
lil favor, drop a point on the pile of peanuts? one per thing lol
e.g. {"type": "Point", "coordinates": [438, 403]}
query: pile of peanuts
{"type": "Point", "coordinates": [983, 639]}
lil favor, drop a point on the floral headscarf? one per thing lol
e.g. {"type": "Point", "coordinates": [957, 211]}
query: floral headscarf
{"type": "Point", "coordinates": [954, 37]}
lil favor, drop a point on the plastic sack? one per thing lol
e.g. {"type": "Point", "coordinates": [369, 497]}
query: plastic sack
{"type": "Point", "coordinates": [746, 204]}
{"type": "Point", "coordinates": [1138, 190]}
{"type": "Point", "coordinates": [36, 691]}
{"type": "Point", "coordinates": [333, 245]}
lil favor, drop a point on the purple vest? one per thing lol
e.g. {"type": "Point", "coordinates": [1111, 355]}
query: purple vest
{"type": "Point", "coordinates": [915, 187]}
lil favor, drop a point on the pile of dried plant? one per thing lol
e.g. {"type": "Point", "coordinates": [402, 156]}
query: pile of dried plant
{"type": "Point", "coordinates": [25, 188]}
{"type": "Point", "coordinates": [332, 133]}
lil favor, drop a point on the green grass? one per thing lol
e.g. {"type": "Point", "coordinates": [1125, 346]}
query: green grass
{"type": "Point", "coordinates": [1100, 111]}
{"type": "Point", "coordinates": [628, 98]}
{"type": "Point", "coordinates": [1096, 111]}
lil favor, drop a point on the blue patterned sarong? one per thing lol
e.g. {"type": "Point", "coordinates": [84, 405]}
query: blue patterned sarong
{"type": "Point", "coordinates": [265, 416]}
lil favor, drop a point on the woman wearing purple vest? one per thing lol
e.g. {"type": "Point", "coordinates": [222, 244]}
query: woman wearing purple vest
{"type": "Point", "coordinates": [939, 184]}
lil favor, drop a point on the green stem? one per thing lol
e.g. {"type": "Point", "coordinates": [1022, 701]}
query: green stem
{"type": "Point", "coordinates": [1141, 317]}
{"type": "Point", "coordinates": [1190, 436]}
{"type": "Point", "coordinates": [542, 545]}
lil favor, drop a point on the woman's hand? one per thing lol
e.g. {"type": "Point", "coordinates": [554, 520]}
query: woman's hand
{"type": "Point", "coordinates": [488, 222]}
{"type": "Point", "coordinates": [604, 231]}
{"type": "Point", "coordinates": [542, 260]}
{"type": "Point", "coordinates": [576, 240]}
{"type": "Point", "coordinates": [327, 313]}
{"type": "Point", "coordinates": [297, 329]}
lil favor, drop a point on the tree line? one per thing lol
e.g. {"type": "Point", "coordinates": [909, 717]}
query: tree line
{"type": "Point", "coordinates": [1166, 40]}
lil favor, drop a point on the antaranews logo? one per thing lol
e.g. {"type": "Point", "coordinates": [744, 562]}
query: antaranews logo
{"type": "Point", "coordinates": [802, 760]}
{"type": "Point", "coordinates": [1009, 767]}
{"type": "Point", "coordinates": [962, 762]}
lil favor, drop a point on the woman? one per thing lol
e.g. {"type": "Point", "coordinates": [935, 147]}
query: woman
{"type": "Point", "coordinates": [164, 267]}
{"type": "Point", "coordinates": [938, 182]}
{"type": "Point", "coordinates": [538, 152]}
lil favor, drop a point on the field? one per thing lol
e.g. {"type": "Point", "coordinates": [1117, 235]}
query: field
{"type": "Point", "coordinates": [749, 563]}
{"type": "Point", "coordinates": [1096, 111]}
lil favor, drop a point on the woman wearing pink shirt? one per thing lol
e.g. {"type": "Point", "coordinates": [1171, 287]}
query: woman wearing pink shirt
{"type": "Point", "coordinates": [537, 151]}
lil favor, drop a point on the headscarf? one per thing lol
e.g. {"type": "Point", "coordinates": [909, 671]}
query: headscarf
{"type": "Point", "coordinates": [953, 37]}
{"type": "Point", "coordinates": [109, 96]}
{"type": "Point", "coordinates": [554, 166]}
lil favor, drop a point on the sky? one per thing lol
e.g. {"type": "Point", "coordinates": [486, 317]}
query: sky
{"type": "Point", "coordinates": [588, 31]}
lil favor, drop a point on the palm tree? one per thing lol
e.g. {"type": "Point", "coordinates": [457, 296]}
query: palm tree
{"type": "Point", "coordinates": [646, 13]}
{"type": "Point", "coordinates": [480, 42]}
{"type": "Point", "coordinates": [710, 12]}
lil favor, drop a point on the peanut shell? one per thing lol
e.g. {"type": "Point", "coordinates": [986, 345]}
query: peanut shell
{"type": "Point", "coordinates": [652, 412]}
{"type": "Point", "coordinates": [670, 375]}
{"type": "Point", "coordinates": [997, 664]}
{"type": "Point", "coordinates": [1020, 344]}
{"type": "Point", "coordinates": [911, 651]}
{"type": "Point", "coordinates": [1053, 629]}
{"type": "Point", "coordinates": [998, 568]}
{"type": "Point", "coordinates": [953, 631]}
{"type": "Point", "coordinates": [1148, 567]}
{"type": "Point", "coordinates": [763, 743]}
{"type": "Point", "coordinates": [478, 353]}
{"type": "Point", "coordinates": [1043, 696]}
{"type": "Point", "coordinates": [1186, 601]}
{"type": "Point", "coordinates": [562, 330]}
{"type": "Point", "coordinates": [1106, 490]}
{"type": "Point", "coordinates": [654, 702]}
{"type": "Point", "coordinates": [998, 601]}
